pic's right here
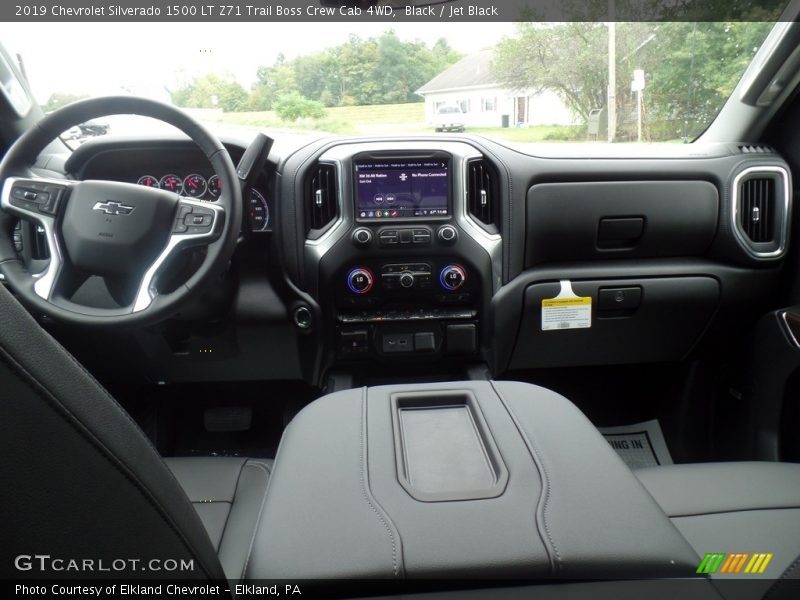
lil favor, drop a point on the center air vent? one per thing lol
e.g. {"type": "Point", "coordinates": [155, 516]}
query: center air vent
{"type": "Point", "coordinates": [761, 207]}
{"type": "Point", "coordinates": [483, 200]}
{"type": "Point", "coordinates": [321, 198]}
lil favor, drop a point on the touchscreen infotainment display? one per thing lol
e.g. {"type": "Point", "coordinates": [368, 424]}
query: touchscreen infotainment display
{"type": "Point", "coordinates": [402, 188]}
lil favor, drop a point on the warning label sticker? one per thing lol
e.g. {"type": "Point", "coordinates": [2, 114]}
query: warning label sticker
{"type": "Point", "coordinates": [567, 310]}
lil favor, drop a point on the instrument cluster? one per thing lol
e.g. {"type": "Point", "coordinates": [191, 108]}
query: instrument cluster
{"type": "Point", "coordinates": [197, 186]}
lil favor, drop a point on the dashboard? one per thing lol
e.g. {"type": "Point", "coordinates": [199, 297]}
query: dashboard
{"type": "Point", "coordinates": [451, 252]}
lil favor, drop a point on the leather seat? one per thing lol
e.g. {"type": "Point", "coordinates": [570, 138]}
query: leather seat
{"type": "Point", "coordinates": [733, 507]}
{"type": "Point", "coordinates": [227, 494]}
{"type": "Point", "coordinates": [82, 481]}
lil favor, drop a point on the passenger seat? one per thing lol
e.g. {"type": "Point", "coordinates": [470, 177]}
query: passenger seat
{"type": "Point", "coordinates": [735, 507]}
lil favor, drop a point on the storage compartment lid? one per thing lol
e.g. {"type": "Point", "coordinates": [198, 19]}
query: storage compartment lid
{"type": "Point", "coordinates": [444, 449]}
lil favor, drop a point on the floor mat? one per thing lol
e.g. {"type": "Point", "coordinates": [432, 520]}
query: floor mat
{"type": "Point", "coordinates": [639, 445]}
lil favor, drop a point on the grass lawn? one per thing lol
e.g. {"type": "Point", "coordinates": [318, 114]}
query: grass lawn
{"type": "Point", "coordinates": [387, 119]}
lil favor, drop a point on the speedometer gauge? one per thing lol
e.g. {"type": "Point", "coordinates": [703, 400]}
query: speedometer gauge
{"type": "Point", "coordinates": [194, 185]}
{"type": "Point", "coordinates": [214, 186]}
{"type": "Point", "coordinates": [259, 211]}
{"type": "Point", "coordinates": [171, 183]}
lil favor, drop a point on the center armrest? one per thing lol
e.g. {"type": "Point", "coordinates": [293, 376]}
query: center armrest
{"type": "Point", "coordinates": [463, 479]}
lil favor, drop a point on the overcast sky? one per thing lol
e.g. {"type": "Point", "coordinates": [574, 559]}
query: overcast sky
{"type": "Point", "coordinates": [107, 58]}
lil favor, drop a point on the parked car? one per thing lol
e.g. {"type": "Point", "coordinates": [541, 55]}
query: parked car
{"type": "Point", "coordinates": [449, 118]}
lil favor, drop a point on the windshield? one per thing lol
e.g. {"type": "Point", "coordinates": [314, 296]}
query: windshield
{"type": "Point", "coordinates": [524, 83]}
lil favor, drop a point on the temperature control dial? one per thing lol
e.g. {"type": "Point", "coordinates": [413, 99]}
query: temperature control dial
{"type": "Point", "coordinates": [360, 280]}
{"type": "Point", "coordinates": [452, 277]}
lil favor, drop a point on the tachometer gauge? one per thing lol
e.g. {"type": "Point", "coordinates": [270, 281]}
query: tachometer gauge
{"type": "Point", "coordinates": [171, 183]}
{"type": "Point", "coordinates": [194, 185]}
{"type": "Point", "coordinates": [259, 211]}
{"type": "Point", "coordinates": [148, 180]}
{"type": "Point", "coordinates": [214, 186]}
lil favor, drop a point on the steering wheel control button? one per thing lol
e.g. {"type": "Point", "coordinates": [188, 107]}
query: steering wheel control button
{"type": "Point", "coordinates": [452, 277]}
{"type": "Point", "coordinates": [198, 220]}
{"type": "Point", "coordinates": [183, 210]}
{"type": "Point", "coordinates": [193, 220]}
{"type": "Point", "coordinates": [447, 234]}
{"type": "Point", "coordinates": [360, 280]}
{"type": "Point", "coordinates": [362, 237]}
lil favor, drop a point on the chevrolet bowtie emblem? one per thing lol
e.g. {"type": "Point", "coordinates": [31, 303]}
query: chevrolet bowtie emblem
{"type": "Point", "coordinates": [113, 208]}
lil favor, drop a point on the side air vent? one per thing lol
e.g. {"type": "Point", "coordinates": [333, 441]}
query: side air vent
{"type": "Point", "coordinates": [755, 149]}
{"type": "Point", "coordinates": [483, 193]}
{"type": "Point", "coordinates": [757, 216]}
{"type": "Point", "coordinates": [761, 210]}
{"type": "Point", "coordinates": [321, 198]}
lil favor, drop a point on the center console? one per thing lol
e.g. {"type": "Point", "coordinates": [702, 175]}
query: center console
{"type": "Point", "coordinates": [406, 272]}
{"type": "Point", "coordinates": [457, 480]}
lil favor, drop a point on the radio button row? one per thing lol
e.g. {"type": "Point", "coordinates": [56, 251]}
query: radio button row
{"type": "Point", "coordinates": [405, 236]}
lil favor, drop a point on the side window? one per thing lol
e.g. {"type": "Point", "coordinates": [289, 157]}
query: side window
{"type": "Point", "coordinates": [465, 106]}
{"type": "Point", "coordinates": [489, 104]}
{"type": "Point", "coordinates": [12, 88]}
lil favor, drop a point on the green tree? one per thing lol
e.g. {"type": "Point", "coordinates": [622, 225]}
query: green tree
{"type": "Point", "coordinates": [211, 91]}
{"type": "Point", "coordinates": [271, 82]}
{"type": "Point", "coordinates": [293, 106]}
{"type": "Point", "coordinates": [690, 68]}
{"type": "Point", "coordinates": [379, 70]}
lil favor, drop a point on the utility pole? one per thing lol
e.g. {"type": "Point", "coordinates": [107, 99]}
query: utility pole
{"type": "Point", "coordinates": [612, 71]}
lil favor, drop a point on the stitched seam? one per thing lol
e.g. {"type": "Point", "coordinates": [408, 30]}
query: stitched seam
{"type": "Point", "coordinates": [76, 425]}
{"type": "Point", "coordinates": [732, 511]}
{"type": "Point", "coordinates": [363, 477]}
{"type": "Point", "coordinates": [545, 498]}
{"type": "Point", "coordinates": [232, 500]}
{"type": "Point", "coordinates": [268, 472]}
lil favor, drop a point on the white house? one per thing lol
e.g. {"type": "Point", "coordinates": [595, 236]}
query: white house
{"type": "Point", "coordinates": [471, 84]}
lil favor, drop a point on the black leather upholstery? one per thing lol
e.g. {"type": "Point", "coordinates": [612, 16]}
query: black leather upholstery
{"type": "Point", "coordinates": [735, 507]}
{"type": "Point", "coordinates": [570, 508]}
{"type": "Point", "coordinates": [80, 479]}
{"type": "Point", "coordinates": [228, 494]}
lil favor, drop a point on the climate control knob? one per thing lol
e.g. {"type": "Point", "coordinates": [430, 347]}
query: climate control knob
{"type": "Point", "coordinates": [452, 277]}
{"type": "Point", "coordinates": [360, 280]}
{"type": "Point", "coordinates": [406, 280]}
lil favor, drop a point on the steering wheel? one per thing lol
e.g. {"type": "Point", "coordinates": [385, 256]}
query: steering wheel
{"type": "Point", "coordinates": [125, 234]}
